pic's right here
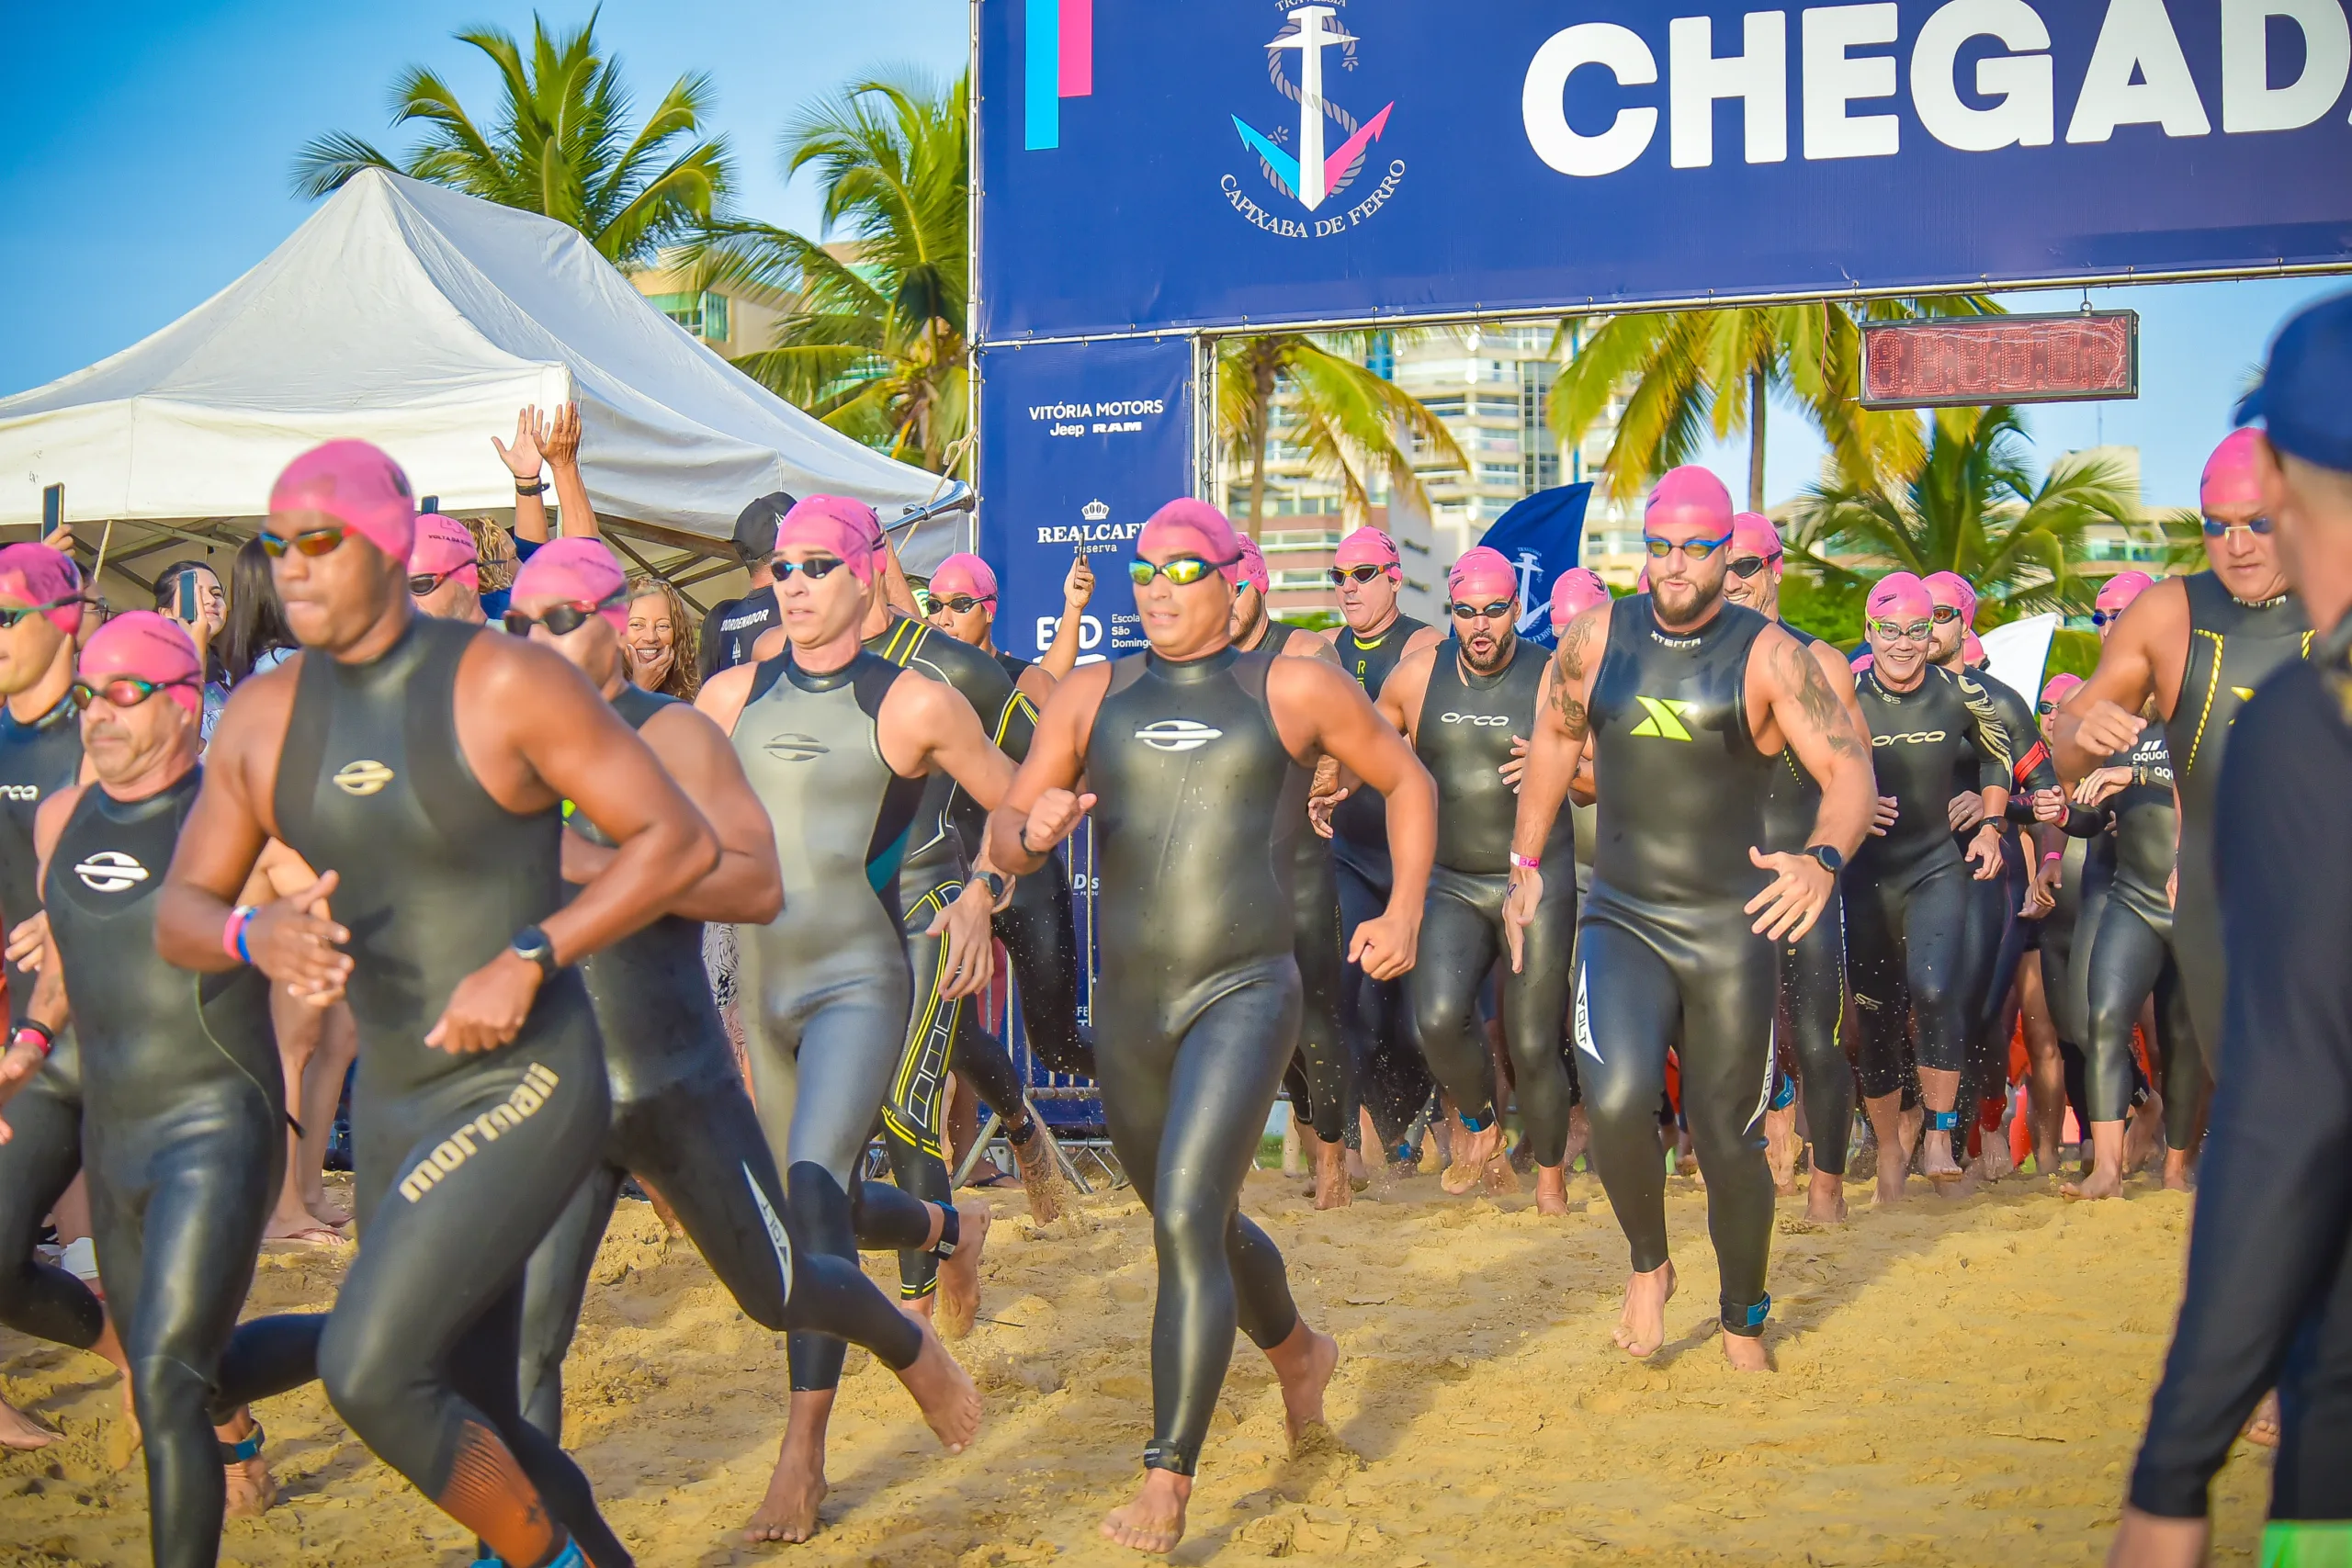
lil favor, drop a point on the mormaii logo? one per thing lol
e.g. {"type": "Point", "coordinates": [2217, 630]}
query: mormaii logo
{"type": "Point", "coordinates": [110, 871]}
{"type": "Point", "coordinates": [1176, 735]}
{"type": "Point", "coordinates": [1307, 169]}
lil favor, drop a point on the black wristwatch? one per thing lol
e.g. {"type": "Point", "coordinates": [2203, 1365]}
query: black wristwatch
{"type": "Point", "coordinates": [995, 882]}
{"type": "Point", "coordinates": [1831, 860]}
{"type": "Point", "coordinates": [532, 945]}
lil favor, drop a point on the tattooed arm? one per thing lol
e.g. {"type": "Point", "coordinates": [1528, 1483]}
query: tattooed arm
{"type": "Point", "coordinates": [1562, 725]}
{"type": "Point", "coordinates": [1791, 704]}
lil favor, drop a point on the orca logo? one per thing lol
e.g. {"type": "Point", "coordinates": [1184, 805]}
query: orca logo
{"type": "Point", "coordinates": [19, 792]}
{"type": "Point", "coordinates": [1493, 720]}
{"type": "Point", "coordinates": [1917, 738]}
{"type": "Point", "coordinates": [110, 871]}
{"type": "Point", "coordinates": [1176, 735]}
{"type": "Point", "coordinates": [793, 748]}
{"type": "Point", "coordinates": [362, 778]}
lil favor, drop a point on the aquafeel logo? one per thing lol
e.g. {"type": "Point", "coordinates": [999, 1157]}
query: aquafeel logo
{"type": "Point", "coordinates": [1300, 164]}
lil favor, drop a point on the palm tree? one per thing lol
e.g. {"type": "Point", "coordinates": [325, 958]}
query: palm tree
{"type": "Point", "coordinates": [560, 146]}
{"type": "Point", "coordinates": [1350, 423]}
{"type": "Point", "coordinates": [1972, 504]}
{"type": "Point", "coordinates": [1693, 371]}
{"type": "Point", "coordinates": [873, 342]}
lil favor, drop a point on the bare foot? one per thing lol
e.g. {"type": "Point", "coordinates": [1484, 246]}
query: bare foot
{"type": "Point", "coordinates": [301, 1231]}
{"type": "Point", "coordinates": [251, 1489]}
{"type": "Point", "coordinates": [2262, 1427]}
{"type": "Point", "coordinates": [2104, 1181]}
{"type": "Point", "coordinates": [1780, 1149]}
{"type": "Point", "coordinates": [1500, 1175]}
{"type": "Point", "coordinates": [1745, 1352]}
{"type": "Point", "coordinates": [2144, 1134]}
{"type": "Point", "coordinates": [1894, 1170]}
{"type": "Point", "coordinates": [1359, 1174]}
{"type": "Point", "coordinates": [1642, 1327]}
{"type": "Point", "coordinates": [959, 1277]}
{"type": "Point", "coordinates": [1825, 1199]}
{"type": "Point", "coordinates": [1579, 1136]}
{"type": "Point", "coordinates": [795, 1492]}
{"type": "Point", "coordinates": [1935, 1159]}
{"type": "Point", "coordinates": [1551, 1190]}
{"type": "Point", "coordinates": [1473, 1152]}
{"type": "Point", "coordinates": [945, 1392]}
{"type": "Point", "coordinates": [323, 1208]}
{"type": "Point", "coordinates": [1155, 1520]}
{"type": "Point", "coordinates": [1041, 1178]}
{"type": "Point", "coordinates": [1303, 1362]}
{"type": "Point", "coordinates": [1910, 1124]}
{"type": "Point", "coordinates": [1996, 1163]}
{"type": "Point", "coordinates": [20, 1433]}
{"type": "Point", "coordinates": [1331, 1176]}
{"type": "Point", "coordinates": [1686, 1159]}
{"type": "Point", "coordinates": [2176, 1170]}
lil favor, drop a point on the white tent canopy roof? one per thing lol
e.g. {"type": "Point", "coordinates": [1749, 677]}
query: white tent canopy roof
{"type": "Point", "coordinates": [421, 319]}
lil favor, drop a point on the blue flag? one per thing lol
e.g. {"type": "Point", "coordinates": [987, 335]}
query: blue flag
{"type": "Point", "coordinates": [1544, 537]}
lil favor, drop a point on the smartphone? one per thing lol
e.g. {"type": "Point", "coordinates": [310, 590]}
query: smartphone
{"type": "Point", "coordinates": [52, 510]}
{"type": "Point", "coordinates": [428, 504]}
{"type": "Point", "coordinates": [187, 598]}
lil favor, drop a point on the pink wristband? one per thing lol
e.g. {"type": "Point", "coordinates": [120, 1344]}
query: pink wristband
{"type": "Point", "coordinates": [1526, 863]}
{"type": "Point", "coordinates": [232, 933]}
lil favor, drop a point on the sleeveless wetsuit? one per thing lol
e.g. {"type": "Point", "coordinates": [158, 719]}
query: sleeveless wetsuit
{"type": "Point", "coordinates": [2130, 956]}
{"type": "Point", "coordinates": [184, 1124]}
{"type": "Point", "coordinates": [1388, 1076]}
{"type": "Point", "coordinates": [1463, 738]}
{"type": "Point", "coordinates": [1667, 959]}
{"type": "Point", "coordinates": [826, 983]}
{"type": "Point", "coordinates": [1809, 1021]}
{"type": "Point", "coordinates": [1198, 806]}
{"type": "Point", "coordinates": [2231, 646]}
{"type": "Point", "coordinates": [464, 1161]}
{"type": "Point", "coordinates": [40, 1161]}
{"type": "Point", "coordinates": [682, 1123]}
{"type": "Point", "coordinates": [1907, 892]}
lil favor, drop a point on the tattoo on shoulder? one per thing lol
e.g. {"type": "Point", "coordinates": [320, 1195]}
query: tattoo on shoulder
{"type": "Point", "coordinates": [1816, 700]}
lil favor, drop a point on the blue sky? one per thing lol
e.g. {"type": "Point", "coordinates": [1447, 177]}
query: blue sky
{"type": "Point", "coordinates": [151, 163]}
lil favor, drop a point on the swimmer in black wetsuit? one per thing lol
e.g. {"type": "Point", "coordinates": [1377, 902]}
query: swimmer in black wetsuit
{"type": "Point", "coordinates": [1686, 702]}
{"type": "Point", "coordinates": [420, 766]}
{"type": "Point", "coordinates": [682, 1122]}
{"type": "Point", "coordinates": [184, 1114]}
{"type": "Point", "coordinates": [1468, 706]}
{"type": "Point", "coordinates": [1199, 760]}
{"type": "Point", "coordinates": [2195, 647]}
{"type": "Point", "coordinates": [1812, 1008]}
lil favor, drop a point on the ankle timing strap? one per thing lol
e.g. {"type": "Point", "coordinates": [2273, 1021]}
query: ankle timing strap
{"type": "Point", "coordinates": [1164, 1456]}
{"type": "Point", "coordinates": [1481, 1123]}
{"type": "Point", "coordinates": [1943, 1121]}
{"type": "Point", "coordinates": [1786, 1094]}
{"type": "Point", "coordinates": [1750, 1318]}
{"type": "Point", "coordinates": [1021, 1139]}
{"type": "Point", "coordinates": [951, 1231]}
{"type": "Point", "coordinates": [248, 1447]}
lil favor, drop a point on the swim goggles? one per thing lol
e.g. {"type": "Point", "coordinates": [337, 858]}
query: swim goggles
{"type": "Point", "coordinates": [1694, 550]}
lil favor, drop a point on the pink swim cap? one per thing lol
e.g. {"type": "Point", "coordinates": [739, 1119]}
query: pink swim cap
{"type": "Point", "coordinates": [1481, 576]}
{"type": "Point", "coordinates": [2229, 478]}
{"type": "Point", "coordinates": [358, 485]}
{"type": "Point", "coordinates": [2060, 688]}
{"type": "Point", "coordinates": [1901, 597]}
{"type": "Point", "coordinates": [35, 574]}
{"type": "Point", "coordinates": [145, 645]}
{"type": "Point", "coordinates": [1366, 547]}
{"type": "Point", "coordinates": [575, 571]}
{"type": "Point", "coordinates": [1194, 525]}
{"type": "Point", "coordinates": [1576, 590]}
{"type": "Point", "coordinates": [443, 546]}
{"type": "Point", "coordinates": [1691, 496]}
{"type": "Point", "coordinates": [1252, 569]}
{"type": "Point", "coordinates": [1949, 590]}
{"type": "Point", "coordinates": [848, 528]}
{"type": "Point", "coordinates": [2117, 591]}
{"type": "Point", "coordinates": [1754, 531]}
{"type": "Point", "coordinates": [962, 574]}
{"type": "Point", "coordinates": [1863, 662]}
{"type": "Point", "coordinates": [1972, 651]}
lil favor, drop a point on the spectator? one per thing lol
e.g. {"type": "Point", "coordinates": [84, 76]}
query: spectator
{"type": "Point", "coordinates": [734, 625]}
{"type": "Point", "coordinates": [499, 556]}
{"type": "Point", "coordinates": [660, 640]}
{"type": "Point", "coordinates": [257, 636]}
{"type": "Point", "coordinates": [554, 442]}
{"type": "Point", "coordinates": [189, 592]}
{"type": "Point", "coordinates": [444, 574]}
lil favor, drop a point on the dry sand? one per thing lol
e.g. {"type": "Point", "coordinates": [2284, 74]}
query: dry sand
{"type": "Point", "coordinates": [1958, 1383]}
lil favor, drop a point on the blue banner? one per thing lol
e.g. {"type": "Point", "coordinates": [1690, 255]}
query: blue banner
{"type": "Point", "coordinates": [1227, 162]}
{"type": "Point", "coordinates": [1544, 537]}
{"type": "Point", "coordinates": [1080, 445]}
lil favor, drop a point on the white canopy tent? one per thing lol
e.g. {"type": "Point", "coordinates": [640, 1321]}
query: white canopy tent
{"type": "Point", "coordinates": [420, 319]}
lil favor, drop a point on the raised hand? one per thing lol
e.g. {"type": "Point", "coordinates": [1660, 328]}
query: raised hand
{"type": "Point", "coordinates": [523, 459]}
{"type": "Point", "coordinates": [1078, 586]}
{"type": "Point", "coordinates": [560, 440]}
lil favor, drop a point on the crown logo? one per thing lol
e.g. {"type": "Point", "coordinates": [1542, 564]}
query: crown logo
{"type": "Point", "coordinates": [1095, 511]}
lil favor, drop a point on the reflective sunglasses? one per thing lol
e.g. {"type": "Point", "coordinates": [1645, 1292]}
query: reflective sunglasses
{"type": "Point", "coordinates": [121, 692]}
{"type": "Point", "coordinates": [423, 582]}
{"type": "Point", "coordinates": [815, 571]}
{"type": "Point", "coordinates": [1694, 550]}
{"type": "Point", "coordinates": [1945, 615]}
{"type": "Point", "coordinates": [1494, 612]}
{"type": "Point", "coordinates": [1356, 573]}
{"type": "Point", "coordinates": [10, 616]}
{"type": "Point", "coordinates": [1748, 566]}
{"type": "Point", "coordinates": [1918, 631]}
{"type": "Point", "coordinates": [2215, 528]}
{"type": "Point", "coordinates": [2106, 617]}
{"type": "Point", "coordinates": [963, 604]}
{"type": "Point", "coordinates": [2045, 708]}
{"type": "Point", "coordinates": [313, 542]}
{"type": "Point", "coordinates": [564, 619]}
{"type": "Point", "coordinates": [1183, 572]}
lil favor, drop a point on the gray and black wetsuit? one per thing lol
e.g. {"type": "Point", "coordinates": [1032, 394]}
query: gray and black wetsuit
{"type": "Point", "coordinates": [683, 1123]}
{"type": "Point", "coordinates": [1667, 959]}
{"type": "Point", "coordinates": [1198, 806]}
{"type": "Point", "coordinates": [1463, 737]}
{"type": "Point", "coordinates": [2129, 955]}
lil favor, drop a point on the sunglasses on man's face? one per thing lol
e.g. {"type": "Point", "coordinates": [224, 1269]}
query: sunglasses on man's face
{"type": "Point", "coordinates": [1183, 572]}
{"type": "Point", "coordinates": [2216, 529]}
{"type": "Point", "coordinates": [11, 616]}
{"type": "Point", "coordinates": [1890, 631]}
{"type": "Point", "coordinates": [423, 582]}
{"type": "Point", "coordinates": [122, 691]}
{"type": "Point", "coordinates": [1494, 612]}
{"type": "Point", "coordinates": [309, 542]}
{"type": "Point", "coordinates": [1748, 566]}
{"type": "Point", "coordinates": [1356, 573]}
{"type": "Point", "coordinates": [1693, 549]}
{"type": "Point", "coordinates": [562, 620]}
{"type": "Point", "coordinates": [816, 570]}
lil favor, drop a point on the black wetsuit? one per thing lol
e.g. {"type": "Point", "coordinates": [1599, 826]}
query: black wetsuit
{"type": "Point", "coordinates": [682, 1123]}
{"type": "Point", "coordinates": [40, 1160]}
{"type": "Point", "coordinates": [732, 627]}
{"type": "Point", "coordinates": [1197, 806]}
{"type": "Point", "coordinates": [1463, 737]}
{"type": "Point", "coordinates": [1389, 1077]}
{"type": "Point", "coordinates": [1997, 934]}
{"type": "Point", "coordinates": [2269, 1293]}
{"type": "Point", "coordinates": [2231, 646]}
{"type": "Point", "coordinates": [464, 1161]}
{"type": "Point", "coordinates": [184, 1124]}
{"type": "Point", "coordinates": [1812, 1012]}
{"type": "Point", "coordinates": [2129, 955]}
{"type": "Point", "coordinates": [1039, 929]}
{"type": "Point", "coordinates": [1907, 893]}
{"type": "Point", "coordinates": [1667, 959]}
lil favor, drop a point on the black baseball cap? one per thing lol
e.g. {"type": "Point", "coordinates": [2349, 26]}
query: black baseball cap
{"type": "Point", "coordinates": [2302, 401]}
{"type": "Point", "coordinates": [755, 526]}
